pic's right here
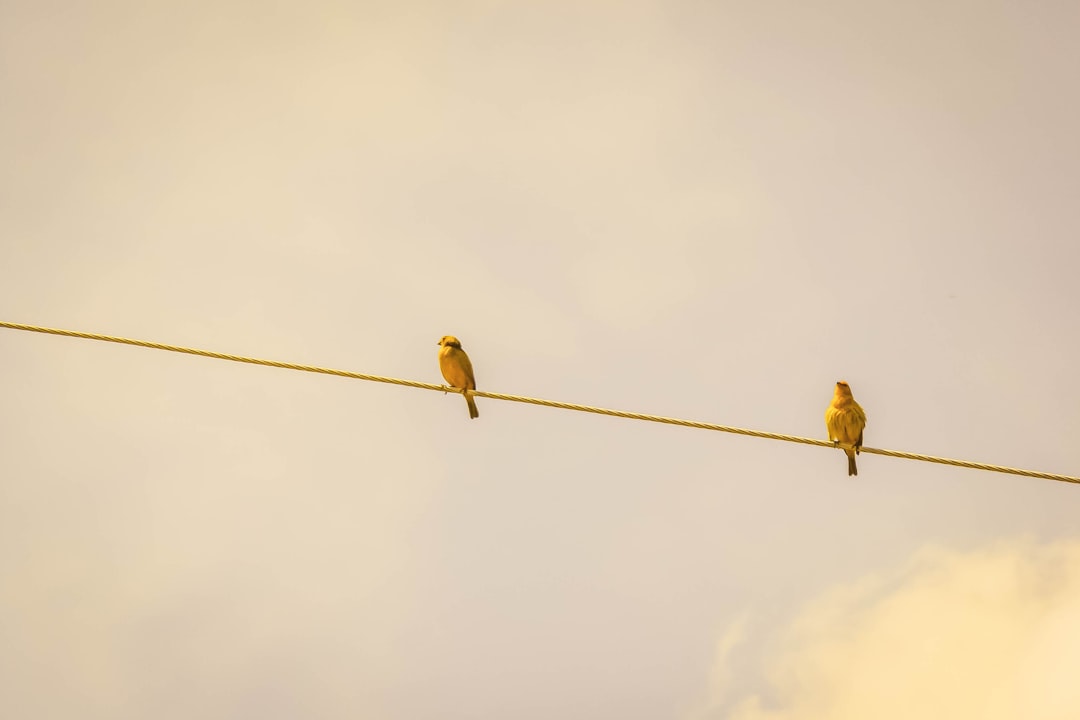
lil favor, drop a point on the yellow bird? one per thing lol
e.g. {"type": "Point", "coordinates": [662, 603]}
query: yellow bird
{"type": "Point", "coordinates": [845, 421]}
{"type": "Point", "coordinates": [457, 370]}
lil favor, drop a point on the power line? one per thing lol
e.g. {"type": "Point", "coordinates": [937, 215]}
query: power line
{"type": "Point", "coordinates": [535, 401]}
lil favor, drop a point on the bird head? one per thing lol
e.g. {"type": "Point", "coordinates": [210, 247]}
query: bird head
{"type": "Point", "coordinates": [449, 341]}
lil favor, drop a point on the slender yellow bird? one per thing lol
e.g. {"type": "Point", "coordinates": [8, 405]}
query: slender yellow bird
{"type": "Point", "coordinates": [457, 369]}
{"type": "Point", "coordinates": [845, 421]}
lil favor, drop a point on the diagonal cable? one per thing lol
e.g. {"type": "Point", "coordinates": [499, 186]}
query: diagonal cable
{"type": "Point", "coordinates": [536, 401]}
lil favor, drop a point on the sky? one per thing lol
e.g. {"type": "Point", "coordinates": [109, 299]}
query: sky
{"type": "Point", "coordinates": [704, 210]}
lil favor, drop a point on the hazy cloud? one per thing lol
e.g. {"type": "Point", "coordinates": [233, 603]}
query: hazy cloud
{"type": "Point", "coordinates": [986, 634]}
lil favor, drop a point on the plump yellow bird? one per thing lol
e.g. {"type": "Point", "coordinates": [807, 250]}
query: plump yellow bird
{"type": "Point", "coordinates": [845, 421]}
{"type": "Point", "coordinates": [457, 369]}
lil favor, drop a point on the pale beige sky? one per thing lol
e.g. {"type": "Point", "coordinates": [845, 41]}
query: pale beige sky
{"type": "Point", "coordinates": [705, 210]}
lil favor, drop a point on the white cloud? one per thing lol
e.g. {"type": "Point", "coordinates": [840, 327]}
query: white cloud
{"type": "Point", "coordinates": [988, 634]}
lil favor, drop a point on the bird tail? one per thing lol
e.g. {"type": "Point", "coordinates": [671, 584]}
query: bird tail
{"type": "Point", "coordinates": [851, 468]}
{"type": "Point", "coordinates": [473, 412]}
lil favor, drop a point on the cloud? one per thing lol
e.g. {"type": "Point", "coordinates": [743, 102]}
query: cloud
{"type": "Point", "coordinates": [988, 634]}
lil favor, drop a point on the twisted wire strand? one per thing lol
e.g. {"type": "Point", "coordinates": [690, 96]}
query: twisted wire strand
{"type": "Point", "coordinates": [536, 401]}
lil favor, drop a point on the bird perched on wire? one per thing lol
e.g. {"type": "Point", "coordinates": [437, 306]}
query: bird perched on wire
{"type": "Point", "coordinates": [457, 369]}
{"type": "Point", "coordinates": [845, 421]}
